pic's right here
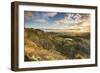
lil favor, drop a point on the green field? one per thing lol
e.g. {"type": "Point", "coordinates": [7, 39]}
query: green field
{"type": "Point", "coordinates": [41, 45]}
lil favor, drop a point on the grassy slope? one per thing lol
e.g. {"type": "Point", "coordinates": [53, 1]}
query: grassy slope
{"type": "Point", "coordinates": [40, 45]}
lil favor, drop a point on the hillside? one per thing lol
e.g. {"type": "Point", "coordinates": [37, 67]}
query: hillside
{"type": "Point", "coordinates": [40, 45]}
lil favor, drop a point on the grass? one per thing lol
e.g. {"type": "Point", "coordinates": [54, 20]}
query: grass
{"type": "Point", "coordinates": [40, 45]}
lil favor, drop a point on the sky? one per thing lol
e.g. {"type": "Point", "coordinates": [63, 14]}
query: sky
{"type": "Point", "coordinates": [56, 20]}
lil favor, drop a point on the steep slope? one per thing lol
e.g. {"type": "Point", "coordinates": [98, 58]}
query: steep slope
{"type": "Point", "coordinates": [34, 51]}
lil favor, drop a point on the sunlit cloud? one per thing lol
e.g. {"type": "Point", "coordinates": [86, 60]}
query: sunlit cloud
{"type": "Point", "coordinates": [71, 19]}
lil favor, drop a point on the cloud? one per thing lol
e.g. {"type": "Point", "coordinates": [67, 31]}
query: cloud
{"type": "Point", "coordinates": [27, 15]}
{"type": "Point", "coordinates": [58, 26]}
{"type": "Point", "coordinates": [72, 19]}
{"type": "Point", "coordinates": [42, 17]}
{"type": "Point", "coordinates": [34, 17]}
{"type": "Point", "coordinates": [38, 17]}
{"type": "Point", "coordinates": [68, 21]}
{"type": "Point", "coordinates": [42, 21]}
{"type": "Point", "coordinates": [51, 14]}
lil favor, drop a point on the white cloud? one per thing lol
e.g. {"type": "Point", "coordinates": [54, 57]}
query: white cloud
{"type": "Point", "coordinates": [70, 20]}
{"type": "Point", "coordinates": [40, 20]}
{"type": "Point", "coordinates": [51, 14]}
